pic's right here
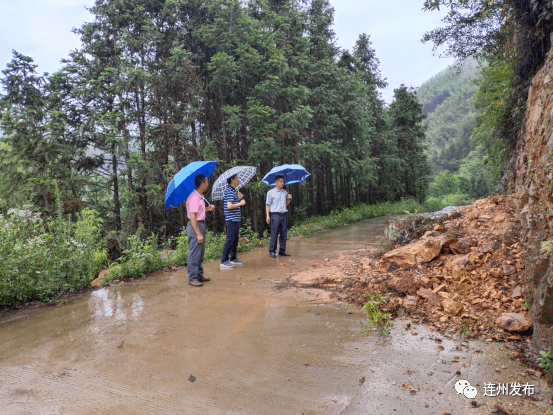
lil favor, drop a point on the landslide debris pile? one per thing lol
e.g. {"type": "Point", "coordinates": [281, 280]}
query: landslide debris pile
{"type": "Point", "coordinates": [465, 266]}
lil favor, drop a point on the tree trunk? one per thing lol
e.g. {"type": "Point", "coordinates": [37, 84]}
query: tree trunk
{"type": "Point", "coordinates": [329, 187]}
{"type": "Point", "coordinates": [342, 191]}
{"type": "Point", "coordinates": [116, 206]}
{"type": "Point", "coordinates": [311, 191]}
{"type": "Point", "coordinates": [223, 128]}
{"type": "Point", "coordinates": [131, 190]}
{"type": "Point", "coordinates": [254, 212]}
{"type": "Point", "coordinates": [320, 193]}
{"type": "Point", "coordinates": [127, 137]}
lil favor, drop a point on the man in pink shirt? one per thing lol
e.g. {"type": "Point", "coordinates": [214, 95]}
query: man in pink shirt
{"type": "Point", "coordinates": [195, 230]}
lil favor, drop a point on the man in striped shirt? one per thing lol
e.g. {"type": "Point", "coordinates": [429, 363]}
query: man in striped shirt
{"type": "Point", "coordinates": [233, 215]}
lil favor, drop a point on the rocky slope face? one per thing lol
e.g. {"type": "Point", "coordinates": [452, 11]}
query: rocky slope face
{"type": "Point", "coordinates": [533, 183]}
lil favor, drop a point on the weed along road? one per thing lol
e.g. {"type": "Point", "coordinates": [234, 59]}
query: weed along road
{"type": "Point", "coordinates": [237, 345]}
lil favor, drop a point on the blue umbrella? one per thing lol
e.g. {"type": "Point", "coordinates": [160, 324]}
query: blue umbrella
{"type": "Point", "coordinates": [182, 184]}
{"type": "Point", "coordinates": [292, 173]}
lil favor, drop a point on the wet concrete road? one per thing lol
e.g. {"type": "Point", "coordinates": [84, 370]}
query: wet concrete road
{"type": "Point", "coordinates": [233, 346]}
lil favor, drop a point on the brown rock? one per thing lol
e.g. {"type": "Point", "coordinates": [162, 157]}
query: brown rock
{"type": "Point", "coordinates": [439, 228]}
{"type": "Point", "coordinates": [166, 254]}
{"type": "Point", "coordinates": [434, 281]}
{"type": "Point", "coordinates": [514, 322]}
{"type": "Point", "coordinates": [428, 234]}
{"type": "Point", "coordinates": [459, 266]}
{"type": "Point", "coordinates": [496, 272]}
{"type": "Point", "coordinates": [452, 308]}
{"type": "Point", "coordinates": [517, 292]}
{"type": "Point", "coordinates": [461, 247]}
{"type": "Point", "coordinates": [410, 302]}
{"type": "Point", "coordinates": [103, 274]}
{"type": "Point", "coordinates": [438, 288]}
{"type": "Point", "coordinates": [463, 288]}
{"type": "Point", "coordinates": [428, 295]}
{"type": "Point", "coordinates": [447, 240]}
{"type": "Point", "coordinates": [499, 218]}
{"type": "Point", "coordinates": [443, 295]}
{"type": "Point", "coordinates": [509, 269]}
{"type": "Point", "coordinates": [98, 281]}
{"type": "Point", "coordinates": [415, 253]}
{"type": "Point", "coordinates": [244, 240]}
{"type": "Point", "coordinates": [426, 282]}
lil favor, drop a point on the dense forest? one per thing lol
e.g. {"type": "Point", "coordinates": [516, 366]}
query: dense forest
{"type": "Point", "coordinates": [86, 153]}
{"type": "Point", "coordinates": [157, 84]}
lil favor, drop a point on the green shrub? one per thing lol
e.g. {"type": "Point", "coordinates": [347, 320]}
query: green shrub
{"type": "Point", "coordinates": [42, 257]}
{"type": "Point", "coordinates": [457, 199]}
{"type": "Point", "coordinates": [376, 319]}
{"type": "Point", "coordinates": [544, 361]}
{"type": "Point", "coordinates": [139, 257]}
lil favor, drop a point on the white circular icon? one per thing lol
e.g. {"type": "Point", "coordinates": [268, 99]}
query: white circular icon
{"type": "Point", "coordinates": [460, 385]}
{"type": "Point", "coordinates": [470, 392]}
{"type": "Point", "coordinates": [463, 386]}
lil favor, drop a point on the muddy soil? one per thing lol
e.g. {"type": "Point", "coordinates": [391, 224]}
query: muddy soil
{"type": "Point", "coordinates": [476, 276]}
{"type": "Point", "coordinates": [242, 344]}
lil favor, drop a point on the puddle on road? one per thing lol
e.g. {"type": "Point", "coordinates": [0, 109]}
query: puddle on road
{"type": "Point", "coordinates": [133, 347]}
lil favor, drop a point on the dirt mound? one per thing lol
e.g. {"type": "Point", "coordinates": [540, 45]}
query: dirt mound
{"type": "Point", "coordinates": [460, 272]}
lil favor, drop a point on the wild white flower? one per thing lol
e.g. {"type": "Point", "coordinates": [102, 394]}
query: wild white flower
{"type": "Point", "coordinates": [24, 214]}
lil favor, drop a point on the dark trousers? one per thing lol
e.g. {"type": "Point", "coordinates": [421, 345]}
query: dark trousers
{"type": "Point", "coordinates": [279, 224]}
{"type": "Point", "coordinates": [196, 252]}
{"type": "Point", "coordinates": [231, 242]}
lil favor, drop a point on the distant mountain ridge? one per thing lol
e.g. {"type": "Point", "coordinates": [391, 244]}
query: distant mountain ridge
{"type": "Point", "coordinates": [448, 103]}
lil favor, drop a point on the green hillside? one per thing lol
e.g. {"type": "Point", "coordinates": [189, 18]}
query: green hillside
{"type": "Point", "coordinates": [448, 102]}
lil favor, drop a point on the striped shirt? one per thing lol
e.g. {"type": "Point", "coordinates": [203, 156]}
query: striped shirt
{"type": "Point", "coordinates": [233, 215]}
{"type": "Point", "coordinates": [277, 200]}
{"type": "Point", "coordinates": [195, 203]}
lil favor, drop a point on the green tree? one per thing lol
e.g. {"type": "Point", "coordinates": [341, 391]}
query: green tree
{"type": "Point", "coordinates": [405, 115]}
{"type": "Point", "coordinates": [34, 153]}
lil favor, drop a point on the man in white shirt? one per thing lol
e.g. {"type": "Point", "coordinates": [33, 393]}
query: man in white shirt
{"type": "Point", "coordinates": [276, 207]}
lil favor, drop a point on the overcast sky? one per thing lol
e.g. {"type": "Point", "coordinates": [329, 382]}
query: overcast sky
{"type": "Point", "coordinates": [42, 29]}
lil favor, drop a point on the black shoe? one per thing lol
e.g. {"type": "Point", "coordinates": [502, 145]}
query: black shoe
{"type": "Point", "coordinates": [273, 255]}
{"type": "Point", "coordinates": [283, 254]}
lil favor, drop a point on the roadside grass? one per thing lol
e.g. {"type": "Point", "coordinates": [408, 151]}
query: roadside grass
{"type": "Point", "coordinates": [43, 258]}
{"type": "Point", "coordinates": [344, 216]}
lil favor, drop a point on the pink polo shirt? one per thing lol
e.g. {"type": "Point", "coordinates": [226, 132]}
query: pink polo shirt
{"type": "Point", "coordinates": [195, 203]}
